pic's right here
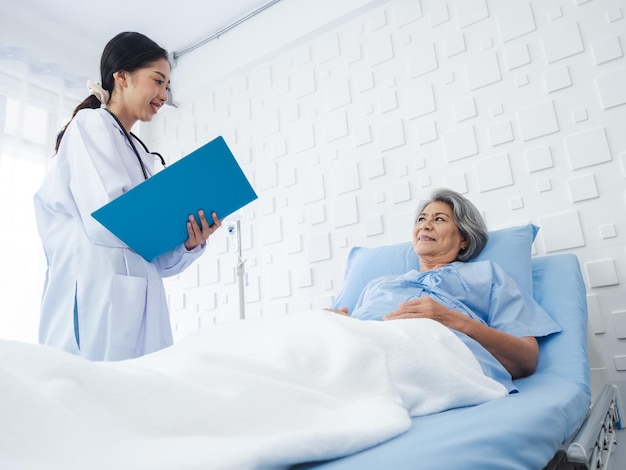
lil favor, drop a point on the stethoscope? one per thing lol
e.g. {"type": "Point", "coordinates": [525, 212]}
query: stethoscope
{"type": "Point", "coordinates": [130, 141]}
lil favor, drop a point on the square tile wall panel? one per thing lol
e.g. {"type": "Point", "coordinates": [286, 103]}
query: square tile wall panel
{"type": "Point", "coordinates": [520, 105]}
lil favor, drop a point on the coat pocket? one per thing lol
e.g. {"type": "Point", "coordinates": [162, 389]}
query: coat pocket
{"type": "Point", "coordinates": [128, 309]}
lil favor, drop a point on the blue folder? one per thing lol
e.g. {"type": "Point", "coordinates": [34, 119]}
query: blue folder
{"type": "Point", "coordinates": [152, 217]}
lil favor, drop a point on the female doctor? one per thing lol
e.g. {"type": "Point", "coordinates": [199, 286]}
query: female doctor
{"type": "Point", "coordinates": [101, 300]}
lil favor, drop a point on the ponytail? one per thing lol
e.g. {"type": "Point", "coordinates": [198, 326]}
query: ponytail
{"type": "Point", "coordinates": [90, 102]}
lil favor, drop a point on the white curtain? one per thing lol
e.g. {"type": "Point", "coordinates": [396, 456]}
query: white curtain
{"type": "Point", "coordinates": [35, 101]}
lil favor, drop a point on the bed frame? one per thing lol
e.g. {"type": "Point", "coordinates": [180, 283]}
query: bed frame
{"type": "Point", "coordinates": [592, 446]}
{"type": "Point", "coordinates": [549, 424]}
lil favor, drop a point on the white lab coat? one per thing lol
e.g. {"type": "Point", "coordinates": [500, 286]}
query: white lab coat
{"type": "Point", "coordinates": [101, 300]}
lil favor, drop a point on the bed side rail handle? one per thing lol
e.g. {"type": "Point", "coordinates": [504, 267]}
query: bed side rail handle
{"type": "Point", "coordinates": [594, 441]}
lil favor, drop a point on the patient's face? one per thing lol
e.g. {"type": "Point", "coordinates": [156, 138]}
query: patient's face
{"type": "Point", "coordinates": [436, 237]}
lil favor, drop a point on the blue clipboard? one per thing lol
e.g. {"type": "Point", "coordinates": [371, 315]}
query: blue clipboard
{"type": "Point", "coordinates": [152, 217]}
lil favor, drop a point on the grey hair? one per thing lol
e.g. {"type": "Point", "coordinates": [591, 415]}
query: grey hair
{"type": "Point", "coordinates": [466, 217]}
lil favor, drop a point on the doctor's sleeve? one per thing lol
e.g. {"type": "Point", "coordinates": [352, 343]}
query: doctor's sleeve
{"type": "Point", "coordinates": [177, 260]}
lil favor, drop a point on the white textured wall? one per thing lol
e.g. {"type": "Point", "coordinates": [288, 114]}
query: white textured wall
{"type": "Point", "coordinates": [520, 105]}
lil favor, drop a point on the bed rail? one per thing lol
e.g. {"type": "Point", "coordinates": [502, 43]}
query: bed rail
{"type": "Point", "coordinates": [592, 446]}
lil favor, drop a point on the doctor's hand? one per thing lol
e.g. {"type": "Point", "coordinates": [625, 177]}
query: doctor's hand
{"type": "Point", "coordinates": [198, 234]}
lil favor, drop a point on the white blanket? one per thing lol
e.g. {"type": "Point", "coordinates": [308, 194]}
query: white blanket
{"type": "Point", "coordinates": [250, 394]}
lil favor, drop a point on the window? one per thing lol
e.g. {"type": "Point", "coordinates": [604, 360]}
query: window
{"type": "Point", "coordinates": [26, 121]}
{"type": "Point", "coordinates": [22, 267]}
{"type": "Point", "coordinates": [30, 116]}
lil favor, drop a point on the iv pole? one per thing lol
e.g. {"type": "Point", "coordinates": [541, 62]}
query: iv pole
{"type": "Point", "coordinates": [240, 269]}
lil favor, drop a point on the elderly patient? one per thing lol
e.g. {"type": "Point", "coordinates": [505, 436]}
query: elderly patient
{"type": "Point", "coordinates": [478, 301]}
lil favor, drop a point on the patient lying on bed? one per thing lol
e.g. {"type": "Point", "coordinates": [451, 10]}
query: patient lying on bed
{"type": "Point", "coordinates": [479, 302]}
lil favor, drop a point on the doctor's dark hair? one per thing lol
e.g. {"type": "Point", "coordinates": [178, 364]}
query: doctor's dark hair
{"type": "Point", "coordinates": [466, 217]}
{"type": "Point", "coordinates": [127, 51]}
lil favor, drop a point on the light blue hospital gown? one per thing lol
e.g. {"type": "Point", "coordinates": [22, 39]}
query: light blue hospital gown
{"type": "Point", "coordinates": [482, 290]}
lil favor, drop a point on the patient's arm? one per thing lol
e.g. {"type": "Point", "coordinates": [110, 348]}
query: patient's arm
{"type": "Point", "coordinates": [517, 355]}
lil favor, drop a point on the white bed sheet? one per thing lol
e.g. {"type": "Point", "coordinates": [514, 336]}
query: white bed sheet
{"type": "Point", "coordinates": [251, 394]}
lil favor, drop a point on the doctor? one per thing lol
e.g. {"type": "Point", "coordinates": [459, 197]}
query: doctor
{"type": "Point", "coordinates": [101, 300]}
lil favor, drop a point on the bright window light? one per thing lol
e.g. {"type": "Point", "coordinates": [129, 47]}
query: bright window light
{"type": "Point", "coordinates": [26, 121]}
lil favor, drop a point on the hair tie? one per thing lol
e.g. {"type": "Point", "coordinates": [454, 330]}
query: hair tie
{"type": "Point", "coordinates": [99, 92]}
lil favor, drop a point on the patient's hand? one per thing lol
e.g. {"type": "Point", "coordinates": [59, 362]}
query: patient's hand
{"type": "Point", "coordinates": [427, 307]}
{"type": "Point", "coordinates": [342, 311]}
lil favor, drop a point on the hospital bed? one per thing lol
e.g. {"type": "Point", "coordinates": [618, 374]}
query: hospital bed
{"type": "Point", "coordinates": [318, 390]}
{"type": "Point", "coordinates": [548, 424]}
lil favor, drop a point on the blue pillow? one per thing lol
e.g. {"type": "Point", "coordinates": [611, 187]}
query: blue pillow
{"type": "Point", "coordinates": [510, 248]}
